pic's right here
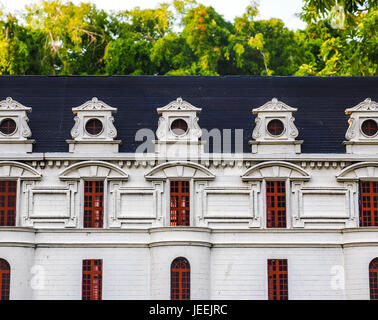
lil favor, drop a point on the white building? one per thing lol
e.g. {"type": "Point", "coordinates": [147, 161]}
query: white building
{"type": "Point", "coordinates": [179, 222]}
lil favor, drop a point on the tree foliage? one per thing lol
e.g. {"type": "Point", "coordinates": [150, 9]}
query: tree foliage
{"type": "Point", "coordinates": [185, 37]}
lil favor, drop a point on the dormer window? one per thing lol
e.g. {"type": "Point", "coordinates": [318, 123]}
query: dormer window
{"type": "Point", "coordinates": [178, 131]}
{"type": "Point", "coordinates": [369, 127]}
{"type": "Point", "coordinates": [14, 128]}
{"type": "Point", "coordinates": [179, 127]}
{"type": "Point", "coordinates": [362, 133]}
{"type": "Point", "coordinates": [8, 126]}
{"type": "Point", "coordinates": [94, 127]}
{"type": "Point", "coordinates": [275, 127]}
{"type": "Point", "coordinates": [275, 131]}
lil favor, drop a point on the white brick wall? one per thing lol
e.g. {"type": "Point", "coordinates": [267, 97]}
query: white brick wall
{"type": "Point", "coordinates": [125, 272]}
{"type": "Point", "coordinates": [357, 262]}
{"type": "Point", "coordinates": [21, 260]}
{"type": "Point", "coordinates": [241, 273]}
{"type": "Point", "coordinates": [228, 260]}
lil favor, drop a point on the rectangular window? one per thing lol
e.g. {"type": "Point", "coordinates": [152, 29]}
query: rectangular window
{"type": "Point", "coordinates": [92, 280]}
{"type": "Point", "coordinates": [8, 203]}
{"type": "Point", "coordinates": [180, 211]}
{"type": "Point", "coordinates": [277, 279]}
{"type": "Point", "coordinates": [94, 204]}
{"type": "Point", "coordinates": [275, 204]}
{"type": "Point", "coordinates": [368, 203]}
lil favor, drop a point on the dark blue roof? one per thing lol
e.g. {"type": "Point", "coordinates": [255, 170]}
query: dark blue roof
{"type": "Point", "coordinates": [226, 103]}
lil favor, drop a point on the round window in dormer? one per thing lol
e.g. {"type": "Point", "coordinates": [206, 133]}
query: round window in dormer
{"type": "Point", "coordinates": [369, 127]}
{"type": "Point", "coordinates": [179, 127]}
{"type": "Point", "coordinates": [94, 127]}
{"type": "Point", "coordinates": [275, 127]}
{"type": "Point", "coordinates": [8, 126]}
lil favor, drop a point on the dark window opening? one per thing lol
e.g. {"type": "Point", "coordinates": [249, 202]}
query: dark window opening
{"type": "Point", "coordinates": [369, 127]}
{"type": "Point", "coordinates": [8, 198]}
{"type": "Point", "coordinates": [92, 280]}
{"type": "Point", "coordinates": [8, 126]}
{"type": "Point", "coordinates": [94, 204]}
{"type": "Point", "coordinates": [93, 127]}
{"type": "Point", "coordinates": [180, 279]}
{"type": "Point", "coordinates": [368, 203]}
{"type": "Point", "coordinates": [277, 279]}
{"type": "Point", "coordinates": [179, 127]}
{"type": "Point", "coordinates": [275, 204]}
{"type": "Point", "coordinates": [275, 127]}
{"type": "Point", "coordinates": [373, 279]}
{"type": "Point", "coordinates": [4, 280]}
{"type": "Point", "coordinates": [180, 203]}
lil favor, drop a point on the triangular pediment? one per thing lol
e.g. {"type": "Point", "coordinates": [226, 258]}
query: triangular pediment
{"type": "Point", "coordinates": [94, 105]}
{"type": "Point", "coordinates": [10, 104]}
{"type": "Point", "coordinates": [178, 105]}
{"type": "Point", "coordinates": [366, 105]}
{"type": "Point", "coordinates": [274, 105]}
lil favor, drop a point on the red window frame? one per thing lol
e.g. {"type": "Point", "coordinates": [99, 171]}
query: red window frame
{"type": "Point", "coordinates": [8, 200]}
{"type": "Point", "coordinates": [369, 127]}
{"type": "Point", "coordinates": [275, 127]}
{"type": "Point", "coordinates": [4, 279]}
{"type": "Point", "coordinates": [92, 279]}
{"type": "Point", "coordinates": [373, 279]}
{"type": "Point", "coordinates": [368, 203]}
{"type": "Point", "coordinates": [180, 203]}
{"type": "Point", "coordinates": [180, 279]}
{"type": "Point", "coordinates": [8, 126]}
{"type": "Point", "coordinates": [94, 126]}
{"type": "Point", "coordinates": [276, 204]}
{"type": "Point", "coordinates": [94, 204]}
{"type": "Point", "coordinates": [277, 279]}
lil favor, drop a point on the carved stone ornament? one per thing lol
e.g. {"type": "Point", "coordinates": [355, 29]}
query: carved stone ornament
{"type": "Point", "coordinates": [84, 140]}
{"type": "Point", "coordinates": [367, 109]}
{"type": "Point", "coordinates": [10, 104]}
{"type": "Point", "coordinates": [257, 130]}
{"type": "Point", "coordinates": [10, 108]}
{"type": "Point", "coordinates": [178, 105]}
{"type": "Point", "coordinates": [268, 141]}
{"type": "Point", "coordinates": [94, 105]}
{"type": "Point", "coordinates": [366, 105]}
{"type": "Point", "coordinates": [274, 105]}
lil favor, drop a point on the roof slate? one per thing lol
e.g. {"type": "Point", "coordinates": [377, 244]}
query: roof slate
{"type": "Point", "coordinates": [226, 103]}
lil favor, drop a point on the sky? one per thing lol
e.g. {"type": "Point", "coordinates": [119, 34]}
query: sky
{"type": "Point", "coordinates": [282, 9]}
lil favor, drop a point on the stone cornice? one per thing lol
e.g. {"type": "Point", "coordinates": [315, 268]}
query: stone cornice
{"type": "Point", "coordinates": [183, 236]}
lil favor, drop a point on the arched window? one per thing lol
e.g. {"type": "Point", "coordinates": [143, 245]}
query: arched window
{"type": "Point", "coordinates": [180, 279]}
{"type": "Point", "coordinates": [4, 279]}
{"type": "Point", "coordinates": [373, 279]}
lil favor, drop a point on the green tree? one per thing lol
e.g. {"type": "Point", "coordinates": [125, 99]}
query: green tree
{"type": "Point", "coordinates": [72, 34]}
{"type": "Point", "coordinates": [135, 33]}
{"type": "Point", "coordinates": [21, 48]}
{"type": "Point", "coordinates": [349, 48]}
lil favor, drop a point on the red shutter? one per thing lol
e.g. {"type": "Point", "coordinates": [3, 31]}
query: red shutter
{"type": "Point", "coordinates": [8, 203]}
{"type": "Point", "coordinates": [180, 206]}
{"type": "Point", "coordinates": [368, 203]}
{"type": "Point", "coordinates": [4, 280]}
{"type": "Point", "coordinates": [180, 279]}
{"type": "Point", "coordinates": [275, 204]}
{"type": "Point", "coordinates": [93, 204]}
{"type": "Point", "coordinates": [373, 279]}
{"type": "Point", "coordinates": [277, 279]}
{"type": "Point", "coordinates": [92, 280]}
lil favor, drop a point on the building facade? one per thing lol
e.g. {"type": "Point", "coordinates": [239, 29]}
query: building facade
{"type": "Point", "coordinates": [188, 212]}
